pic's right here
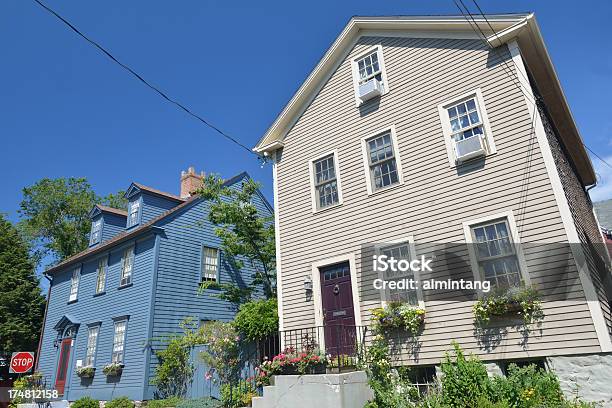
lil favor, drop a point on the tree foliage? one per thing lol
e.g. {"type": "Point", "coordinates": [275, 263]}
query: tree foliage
{"type": "Point", "coordinates": [246, 236]}
{"type": "Point", "coordinates": [54, 215]}
{"type": "Point", "coordinates": [258, 319]}
{"type": "Point", "coordinates": [22, 306]}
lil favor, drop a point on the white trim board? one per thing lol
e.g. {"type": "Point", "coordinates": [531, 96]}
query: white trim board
{"type": "Point", "coordinates": [605, 342]}
{"type": "Point", "coordinates": [279, 280]}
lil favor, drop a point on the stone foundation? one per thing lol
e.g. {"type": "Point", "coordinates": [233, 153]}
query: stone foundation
{"type": "Point", "coordinates": [589, 375]}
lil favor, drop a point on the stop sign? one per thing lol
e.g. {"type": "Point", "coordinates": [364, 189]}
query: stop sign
{"type": "Point", "coordinates": [21, 362]}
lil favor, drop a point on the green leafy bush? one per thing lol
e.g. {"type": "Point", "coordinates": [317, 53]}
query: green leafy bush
{"type": "Point", "coordinates": [120, 402]}
{"type": "Point", "coordinates": [257, 320]}
{"type": "Point", "coordinates": [164, 403]}
{"type": "Point", "coordinates": [85, 402]}
{"type": "Point", "coordinates": [237, 395]}
{"type": "Point", "coordinates": [465, 380]}
{"type": "Point", "coordinates": [198, 403]}
{"type": "Point", "coordinates": [175, 371]}
{"type": "Point", "coordinates": [528, 386]}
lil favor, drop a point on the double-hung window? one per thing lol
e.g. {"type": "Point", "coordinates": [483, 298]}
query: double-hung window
{"type": "Point", "coordinates": [210, 264]}
{"type": "Point", "coordinates": [399, 251]}
{"type": "Point", "coordinates": [74, 284]}
{"type": "Point", "coordinates": [92, 344]}
{"type": "Point", "coordinates": [382, 161]}
{"type": "Point", "coordinates": [127, 266]}
{"type": "Point", "coordinates": [369, 77]}
{"type": "Point", "coordinates": [133, 213]}
{"type": "Point", "coordinates": [96, 231]}
{"type": "Point", "coordinates": [101, 275]}
{"type": "Point", "coordinates": [467, 133]}
{"type": "Point", "coordinates": [119, 341]}
{"type": "Point", "coordinates": [496, 254]}
{"type": "Point", "coordinates": [325, 181]}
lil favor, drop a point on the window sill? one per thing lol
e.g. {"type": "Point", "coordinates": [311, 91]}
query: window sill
{"type": "Point", "coordinates": [99, 293]}
{"type": "Point", "coordinates": [72, 301]}
{"type": "Point", "coordinates": [127, 285]}
{"type": "Point", "coordinates": [328, 208]}
{"type": "Point", "coordinates": [385, 189]}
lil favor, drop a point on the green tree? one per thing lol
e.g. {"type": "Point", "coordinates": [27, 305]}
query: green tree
{"type": "Point", "coordinates": [22, 306]}
{"type": "Point", "coordinates": [54, 215]}
{"type": "Point", "coordinates": [116, 200]}
{"type": "Point", "coordinates": [246, 236]}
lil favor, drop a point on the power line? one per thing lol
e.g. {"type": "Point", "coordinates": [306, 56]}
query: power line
{"type": "Point", "coordinates": [497, 37]}
{"type": "Point", "coordinates": [144, 81]}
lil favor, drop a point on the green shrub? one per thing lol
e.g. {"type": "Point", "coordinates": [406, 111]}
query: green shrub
{"type": "Point", "coordinates": [175, 370]}
{"type": "Point", "coordinates": [257, 320]}
{"type": "Point", "coordinates": [237, 396]}
{"type": "Point", "coordinates": [85, 402]}
{"type": "Point", "coordinates": [528, 386]}
{"type": "Point", "coordinates": [120, 402]}
{"type": "Point", "coordinates": [198, 403]}
{"type": "Point", "coordinates": [465, 380]}
{"type": "Point", "coordinates": [164, 403]}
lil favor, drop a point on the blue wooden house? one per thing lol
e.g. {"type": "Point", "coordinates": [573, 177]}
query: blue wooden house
{"type": "Point", "coordinates": [137, 281]}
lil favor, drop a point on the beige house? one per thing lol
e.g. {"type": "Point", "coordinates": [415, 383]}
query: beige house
{"type": "Point", "coordinates": [413, 132]}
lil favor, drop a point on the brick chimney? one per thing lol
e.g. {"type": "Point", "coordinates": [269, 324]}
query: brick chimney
{"type": "Point", "coordinates": [190, 181]}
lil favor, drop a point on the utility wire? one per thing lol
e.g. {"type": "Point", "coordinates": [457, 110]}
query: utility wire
{"type": "Point", "coordinates": [144, 81]}
{"type": "Point", "coordinates": [497, 37]}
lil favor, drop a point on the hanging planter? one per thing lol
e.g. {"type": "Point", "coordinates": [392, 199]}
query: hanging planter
{"type": "Point", "coordinates": [113, 370]}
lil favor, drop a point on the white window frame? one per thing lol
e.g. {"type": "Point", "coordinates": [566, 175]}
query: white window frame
{"type": "Point", "coordinates": [117, 342]}
{"type": "Point", "coordinates": [409, 240]}
{"type": "Point", "coordinates": [128, 253]}
{"type": "Point", "coordinates": [74, 284]}
{"type": "Point", "coordinates": [101, 274]}
{"type": "Point", "coordinates": [313, 192]}
{"type": "Point", "coordinates": [98, 222]}
{"type": "Point", "coordinates": [366, 160]}
{"type": "Point", "coordinates": [203, 274]}
{"type": "Point", "coordinates": [355, 70]}
{"type": "Point", "coordinates": [509, 217]}
{"type": "Point", "coordinates": [91, 347]}
{"type": "Point", "coordinates": [134, 204]}
{"type": "Point", "coordinates": [446, 126]}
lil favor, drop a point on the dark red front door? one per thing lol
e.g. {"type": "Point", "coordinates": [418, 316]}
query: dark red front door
{"type": "Point", "coordinates": [62, 365]}
{"type": "Point", "coordinates": [338, 312]}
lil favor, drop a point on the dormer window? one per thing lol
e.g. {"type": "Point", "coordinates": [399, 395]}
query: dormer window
{"type": "Point", "coordinates": [96, 232]}
{"type": "Point", "coordinates": [133, 213]}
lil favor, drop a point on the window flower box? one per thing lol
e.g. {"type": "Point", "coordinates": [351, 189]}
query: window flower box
{"type": "Point", "coordinates": [86, 372]}
{"type": "Point", "coordinates": [113, 369]}
{"type": "Point", "coordinates": [399, 316]}
{"type": "Point", "coordinates": [521, 302]}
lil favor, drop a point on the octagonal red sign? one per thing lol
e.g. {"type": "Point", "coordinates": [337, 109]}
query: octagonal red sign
{"type": "Point", "coordinates": [22, 362]}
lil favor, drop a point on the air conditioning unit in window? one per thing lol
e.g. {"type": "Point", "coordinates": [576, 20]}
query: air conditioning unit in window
{"type": "Point", "coordinates": [470, 148]}
{"type": "Point", "coordinates": [370, 89]}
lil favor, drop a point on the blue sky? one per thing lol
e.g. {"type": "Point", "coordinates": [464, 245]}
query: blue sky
{"type": "Point", "coordinates": [66, 110]}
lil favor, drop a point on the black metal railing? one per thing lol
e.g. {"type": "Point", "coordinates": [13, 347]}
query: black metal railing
{"type": "Point", "coordinates": [342, 346]}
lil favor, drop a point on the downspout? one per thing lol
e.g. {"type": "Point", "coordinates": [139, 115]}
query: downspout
{"type": "Point", "coordinates": [42, 332]}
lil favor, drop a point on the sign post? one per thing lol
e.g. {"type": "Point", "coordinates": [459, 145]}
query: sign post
{"type": "Point", "coordinates": [22, 362]}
